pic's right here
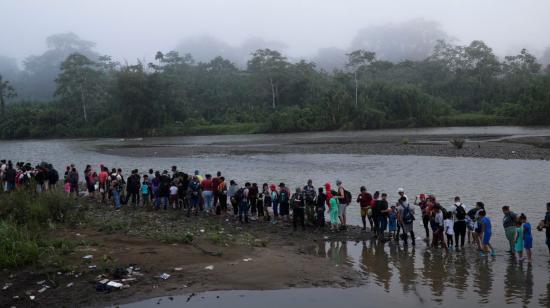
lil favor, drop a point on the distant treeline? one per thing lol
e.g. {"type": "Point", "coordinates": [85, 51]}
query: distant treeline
{"type": "Point", "coordinates": [456, 85]}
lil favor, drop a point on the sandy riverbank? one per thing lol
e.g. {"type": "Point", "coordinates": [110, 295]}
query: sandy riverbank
{"type": "Point", "coordinates": [157, 242]}
{"type": "Point", "coordinates": [480, 146]}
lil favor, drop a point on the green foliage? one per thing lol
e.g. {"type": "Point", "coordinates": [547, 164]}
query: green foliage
{"type": "Point", "coordinates": [456, 85]}
{"type": "Point", "coordinates": [457, 142]}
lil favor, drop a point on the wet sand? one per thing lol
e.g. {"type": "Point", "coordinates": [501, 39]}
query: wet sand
{"type": "Point", "coordinates": [277, 257]}
{"type": "Point", "coordinates": [480, 146]}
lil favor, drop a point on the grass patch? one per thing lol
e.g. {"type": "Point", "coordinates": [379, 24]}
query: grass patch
{"type": "Point", "coordinates": [473, 119]}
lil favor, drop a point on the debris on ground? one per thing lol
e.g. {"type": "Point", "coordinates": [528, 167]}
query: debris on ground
{"type": "Point", "coordinates": [88, 257]}
{"type": "Point", "coordinates": [209, 267]}
{"type": "Point", "coordinates": [178, 268]}
{"type": "Point", "coordinates": [247, 259]}
{"type": "Point", "coordinates": [165, 276]}
{"type": "Point", "coordinates": [7, 285]}
{"type": "Point", "coordinates": [70, 284]}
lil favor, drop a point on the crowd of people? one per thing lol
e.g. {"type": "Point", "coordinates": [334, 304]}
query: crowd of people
{"type": "Point", "coordinates": [304, 206]}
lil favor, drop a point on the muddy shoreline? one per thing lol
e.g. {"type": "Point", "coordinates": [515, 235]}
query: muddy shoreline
{"type": "Point", "coordinates": [254, 256]}
{"type": "Point", "coordinates": [478, 146]}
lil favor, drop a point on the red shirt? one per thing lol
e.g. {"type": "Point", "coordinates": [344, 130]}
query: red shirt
{"type": "Point", "coordinates": [206, 185]}
{"type": "Point", "coordinates": [365, 199]}
{"type": "Point", "coordinates": [103, 177]}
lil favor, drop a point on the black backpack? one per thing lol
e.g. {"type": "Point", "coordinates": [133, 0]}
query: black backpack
{"type": "Point", "coordinates": [239, 195]}
{"type": "Point", "coordinates": [460, 212]}
{"type": "Point", "coordinates": [347, 197]}
{"type": "Point", "coordinates": [408, 217]}
{"type": "Point", "coordinates": [283, 196]}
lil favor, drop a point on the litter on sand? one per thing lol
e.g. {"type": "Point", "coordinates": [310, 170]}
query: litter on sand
{"type": "Point", "coordinates": [70, 284]}
{"type": "Point", "coordinates": [41, 282]}
{"type": "Point", "coordinates": [247, 259]}
{"type": "Point", "coordinates": [43, 289]}
{"type": "Point", "coordinates": [209, 267]}
{"type": "Point", "coordinates": [178, 268]}
{"type": "Point", "coordinates": [165, 276]}
{"type": "Point", "coordinates": [7, 285]}
{"type": "Point", "coordinates": [115, 284]}
{"type": "Point", "coordinates": [88, 257]}
{"type": "Point", "coordinates": [32, 297]}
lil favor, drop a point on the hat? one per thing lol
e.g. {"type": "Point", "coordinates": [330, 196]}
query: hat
{"type": "Point", "coordinates": [400, 190]}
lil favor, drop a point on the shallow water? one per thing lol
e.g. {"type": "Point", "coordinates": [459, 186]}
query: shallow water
{"type": "Point", "coordinates": [397, 277]}
{"type": "Point", "coordinates": [393, 274]}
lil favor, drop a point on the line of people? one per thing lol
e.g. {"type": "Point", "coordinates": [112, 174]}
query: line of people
{"type": "Point", "coordinates": [447, 227]}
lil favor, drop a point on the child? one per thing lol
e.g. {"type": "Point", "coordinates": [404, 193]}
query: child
{"type": "Point", "coordinates": [448, 225]}
{"type": "Point", "coordinates": [173, 195]}
{"type": "Point", "coordinates": [519, 241]}
{"type": "Point", "coordinates": [67, 187]}
{"type": "Point", "coordinates": [145, 191]}
{"type": "Point", "coordinates": [485, 234]}
{"type": "Point", "coordinates": [527, 237]}
{"type": "Point", "coordinates": [392, 225]}
{"type": "Point", "coordinates": [333, 210]}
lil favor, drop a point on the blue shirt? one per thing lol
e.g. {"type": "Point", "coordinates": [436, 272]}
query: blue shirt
{"type": "Point", "coordinates": [487, 223]}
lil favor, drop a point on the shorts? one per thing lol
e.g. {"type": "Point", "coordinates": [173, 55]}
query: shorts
{"type": "Point", "coordinates": [91, 188]}
{"type": "Point", "coordinates": [342, 209]}
{"type": "Point", "coordinates": [528, 243]}
{"type": "Point", "coordinates": [173, 198]}
{"type": "Point", "coordinates": [486, 238]}
{"type": "Point", "coordinates": [364, 211]}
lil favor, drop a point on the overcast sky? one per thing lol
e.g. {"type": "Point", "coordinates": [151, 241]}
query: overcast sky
{"type": "Point", "coordinates": [130, 29]}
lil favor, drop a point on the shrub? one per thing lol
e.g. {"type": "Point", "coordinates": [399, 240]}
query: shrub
{"type": "Point", "coordinates": [457, 142]}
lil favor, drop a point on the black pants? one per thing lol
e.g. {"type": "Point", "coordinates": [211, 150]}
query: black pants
{"type": "Point", "coordinates": [426, 222]}
{"type": "Point", "coordinates": [320, 217]}
{"type": "Point", "coordinates": [223, 203]}
{"type": "Point", "coordinates": [298, 217]}
{"type": "Point", "coordinates": [405, 237]}
{"type": "Point", "coordinates": [460, 232]}
{"type": "Point", "coordinates": [134, 196]}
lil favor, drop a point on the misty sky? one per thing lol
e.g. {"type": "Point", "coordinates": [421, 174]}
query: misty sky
{"type": "Point", "coordinates": [130, 29]}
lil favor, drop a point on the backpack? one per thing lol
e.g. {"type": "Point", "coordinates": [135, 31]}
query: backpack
{"type": "Point", "coordinates": [195, 186]}
{"type": "Point", "coordinates": [408, 217]}
{"type": "Point", "coordinates": [54, 176]}
{"type": "Point", "coordinates": [144, 189]}
{"type": "Point", "coordinates": [460, 212]}
{"type": "Point", "coordinates": [239, 195]}
{"type": "Point", "coordinates": [347, 197]}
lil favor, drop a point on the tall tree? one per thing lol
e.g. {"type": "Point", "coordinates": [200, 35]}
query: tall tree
{"type": "Point", "coordinates": [269, 65]}
{"type": "Point", "coordinates": [6, 92]}
{"type": "Point", "coordinates": [358, 61]}
{"type": "Point", "coordinates": [79, 82]}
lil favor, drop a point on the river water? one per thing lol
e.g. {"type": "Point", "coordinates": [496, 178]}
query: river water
{"type": "Point", "coordinates": [421, 276]}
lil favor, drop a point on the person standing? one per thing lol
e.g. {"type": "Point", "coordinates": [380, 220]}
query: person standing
{"type": "Point", "coordinates": [459, 224]}
{"type": "Point", "coordinates": [244, 205]}
{"type": "Point", "coordinates": [344, 199]}
{"type": "Point", "coordinates": [383, 209]}
{"type": "Point", "coordinates": [298, 208]}
{"type": "Point", "coordinates": [310, 193]}
{"type": "Point", "coordinates": [231, 192]}
{"type": "Point", "coordinates": [320, 208]}
{"type": "Point", "coordinates": [486, 232]}
{"type": "Point", "coordinates": [545, 224]}
{"type": "Point", "coordinates": [222, 195]}
{"type": "Point", "coordinates": [365, 199]}
{"type": "Point", "coordinates": [527, 237]}
{"type": "Point", "coordinates": [509, 223]}
{"type": "Point", "coordinates": [284, 206]}
{"type": "Point", "coordinates": [406, 218]}
{"type": "Point", "coordinates": [333, 211]}
{"type": "Point", "coordinates": [422, 203]}
{"type": "Point", "coordinates": [207, 193]}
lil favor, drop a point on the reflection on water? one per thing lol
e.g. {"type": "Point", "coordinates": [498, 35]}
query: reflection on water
{"type": "Point", "coordinates": [431, 275]}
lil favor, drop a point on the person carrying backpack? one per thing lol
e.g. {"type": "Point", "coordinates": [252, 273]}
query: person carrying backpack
{"type": "Point", "coordinates": [344, 199]}
{"type": "Point", "coordinates": [194, 196]}
{"type": "Point", "coordinates": [298, 209]}
{"type": "Point", "coordinates": [406, 218]}
{"type": "Point", "coordinates": [284, 199]}
{"type": "Point", "coordinates": [459, 226]}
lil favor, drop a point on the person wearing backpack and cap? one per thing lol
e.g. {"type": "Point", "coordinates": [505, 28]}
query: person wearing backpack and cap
{"type": "Point", "coordinates": [459, 224]}
{"type": "Point", "coordinates": [344, 199]}
{"type": "Point", "coordinates": [406, 218]}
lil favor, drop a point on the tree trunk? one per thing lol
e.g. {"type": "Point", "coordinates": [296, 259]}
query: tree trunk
{"type": "Point", "coordinates": [83, 104]}
{"type": "Point", "coordinates": [272, 93]}
{"type": "Point", "coordinates": [2, 103]}
{"type": "Point", "coordinates": [356, 89]}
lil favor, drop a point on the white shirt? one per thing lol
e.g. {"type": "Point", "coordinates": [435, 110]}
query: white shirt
{"type": "Point", "coordinates": [448, 224]}
{"type": "Point", "coordinates": [173, 190]}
